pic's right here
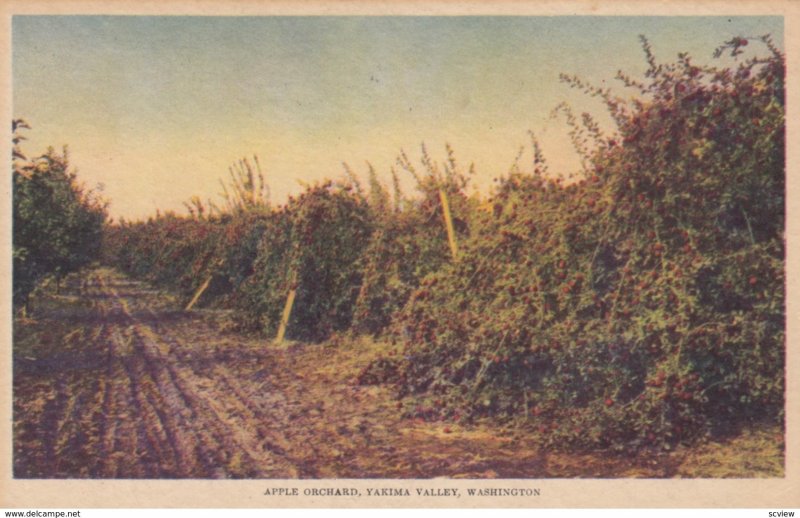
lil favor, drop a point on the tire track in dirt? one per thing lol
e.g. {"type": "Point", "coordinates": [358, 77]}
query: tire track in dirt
{"type": "Point", "coordinates": [158, 454]}
{"type": "Point", "coordinates": [53, 413]}
{"type": "Point", "coordinates": [183, 416]}
{"type": "Point", "coordinates": [79, 437]}
{"type": "Point", "coordinates": [65, 432]}
{"type": "Point", "coordinates": [168, 396]}
{"type": "Point", "coordinates": [194, 431]}
{"type": "Point", "coordinates": [68, 425]}
{"type": "Point", "coordinates": [110, 381]}
{"type": "Point", "coordinates": [133, 441]}
{"type": "Point", "coordinates": [121, 445]}
{"type": "Point", "coordinates": [154, 452]}
{"type": "Point", "coordinates": [171, 397]}
{"type": "Point", "coordinates": [29, 429]}
{"type": "Point", "coordinates": [107, 462]}
{"type": "Point", "coordinates": [258, 418]}
{"type": "Point", "coordinates": [222, 407]}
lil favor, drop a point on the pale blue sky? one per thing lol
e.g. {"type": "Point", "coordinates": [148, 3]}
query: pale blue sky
{"type": "Point", "coordinates": [156, 108]}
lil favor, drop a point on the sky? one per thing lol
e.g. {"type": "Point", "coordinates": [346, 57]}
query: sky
{"type": "Point", "coordinates": [155, 109]}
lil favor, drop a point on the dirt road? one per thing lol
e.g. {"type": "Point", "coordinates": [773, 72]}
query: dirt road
{"type": "Point", "coordinates": [137, 390]}
{"type": "Point", "coordinates": [112, 381]}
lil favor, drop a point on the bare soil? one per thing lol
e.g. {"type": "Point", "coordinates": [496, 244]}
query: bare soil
{"type": "Point", "coordinates": [113, 380]}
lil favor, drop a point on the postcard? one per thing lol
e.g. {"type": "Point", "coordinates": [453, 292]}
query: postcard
{"type": "Point", "coordinates": [400, 254]}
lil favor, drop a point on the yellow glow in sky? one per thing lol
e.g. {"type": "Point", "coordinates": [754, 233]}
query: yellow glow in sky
{"type": "Point", "coordinates": [156, 108]}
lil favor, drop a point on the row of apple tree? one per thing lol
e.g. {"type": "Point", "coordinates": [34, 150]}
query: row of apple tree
{"type": "Point", "coordinates": [640, 305]}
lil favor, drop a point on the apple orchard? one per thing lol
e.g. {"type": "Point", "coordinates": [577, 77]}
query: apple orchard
{"type": "Point", "coordinates": [638, 304]}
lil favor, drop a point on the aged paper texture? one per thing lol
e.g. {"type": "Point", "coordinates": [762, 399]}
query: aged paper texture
{"type": "Point", "coordinates": [169, 94]}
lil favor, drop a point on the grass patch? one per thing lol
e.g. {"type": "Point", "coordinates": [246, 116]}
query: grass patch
{"type": "Point", "coordinates": [755, 453]}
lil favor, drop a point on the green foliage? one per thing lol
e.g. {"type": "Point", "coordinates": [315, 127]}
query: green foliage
{"type": "Point", "coordinates": [639, 306]}
{"type": "Point", "coordinates": [353, 257]}
{"type": "Point", "coordinates": [57, 226]}
{"type": "Point", "coordinates": [410, 241]}
{"type": "Point", "coordinates": [254, 255]}
{"type": "Point", "coordinates": [171, 250]}
{"type": "Point", "coordinates": [315, 243]}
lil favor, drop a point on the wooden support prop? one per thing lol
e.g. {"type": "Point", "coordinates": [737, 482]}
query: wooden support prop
{"type": "Point", "coordinates": [199, 292]}
{"type": "Point", "coordinates": [287, 310]}
{"type": "Point", "coordinates": [448, 220]}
